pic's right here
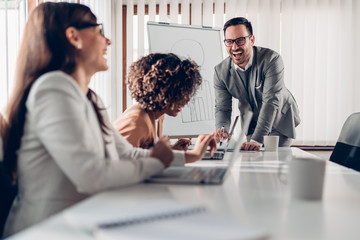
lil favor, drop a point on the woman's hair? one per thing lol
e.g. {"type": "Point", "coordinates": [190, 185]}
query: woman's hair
{"type": "Point", "coordinates": [44, 48]}
{"type": "Point", "coordinates": [159, 81]}
{"type": "Point", "coordinates": [2, 132]}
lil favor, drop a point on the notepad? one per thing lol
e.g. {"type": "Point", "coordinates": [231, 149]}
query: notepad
{"type": "Point", "coordinates": [160, 219]}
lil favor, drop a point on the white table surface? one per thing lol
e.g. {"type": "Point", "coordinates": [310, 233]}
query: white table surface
{"type": "Point", "coordinates": [253, 194]}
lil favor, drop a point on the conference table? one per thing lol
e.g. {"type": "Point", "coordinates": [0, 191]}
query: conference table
{"type": "Point", "coordinates": [253, 195]}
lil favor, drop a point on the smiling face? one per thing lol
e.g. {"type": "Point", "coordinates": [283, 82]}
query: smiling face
{"type": "Point", "coordinates": [239, 54]}
{"type": "Point", "coordinates": [93, 50]}
{"type": "Point", "coordinates": [174, 110]}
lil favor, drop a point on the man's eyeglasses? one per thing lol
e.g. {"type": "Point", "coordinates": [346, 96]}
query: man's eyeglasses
{"type": "Point", "coordinates": [88, 25]}
{"type": "Point", "coordinates": [239, 41]}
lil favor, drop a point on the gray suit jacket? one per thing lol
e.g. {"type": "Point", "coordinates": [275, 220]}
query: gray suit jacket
{"type": "Point", "coordinates": [276, 105]}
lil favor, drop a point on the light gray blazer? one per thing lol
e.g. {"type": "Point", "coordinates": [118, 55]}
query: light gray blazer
{"type": "Point", "coordinates": [277, 107]}
{"type": "Point", "coordinates": [64, 157]}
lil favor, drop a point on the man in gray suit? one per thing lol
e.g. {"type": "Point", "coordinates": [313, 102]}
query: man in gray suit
{"type": "Point", "coordinates": [254, 76]}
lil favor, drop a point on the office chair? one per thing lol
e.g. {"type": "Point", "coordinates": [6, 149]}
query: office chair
{"type": "Point", "coordinates": [347, 148]}
{"type": "Point", "coordinates": [8, 193]}
{"type": "Point", "coordinates": [8, 190]}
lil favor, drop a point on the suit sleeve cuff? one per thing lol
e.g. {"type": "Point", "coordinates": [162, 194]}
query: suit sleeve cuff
{"type": "Point", "coordinates": [252, 140]}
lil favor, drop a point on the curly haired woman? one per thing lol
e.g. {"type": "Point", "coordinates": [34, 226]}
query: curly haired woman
{"type": "Point", "coordinates": [161, 84]}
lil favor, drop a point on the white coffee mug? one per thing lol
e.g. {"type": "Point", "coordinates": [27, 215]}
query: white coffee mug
{"type": "Point", "coordinates": [271, 143]}
{"type": "Point", "coordinates": [306, 178]}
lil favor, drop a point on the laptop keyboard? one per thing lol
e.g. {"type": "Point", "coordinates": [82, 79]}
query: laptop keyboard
{"type": "Point", "coordinates": [218, 155]}
{"type": "Point", "coordinates": [194, 173]}
{"type": "Point", "coordinates": [218, 172]}
{"type": "Point", "coordinates": [201, 173]}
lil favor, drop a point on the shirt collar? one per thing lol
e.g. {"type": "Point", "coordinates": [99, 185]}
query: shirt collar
{"type": "Point", "coordinates": [248, 65]}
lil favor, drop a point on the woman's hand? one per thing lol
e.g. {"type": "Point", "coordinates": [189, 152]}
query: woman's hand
{"type": "Point", "coordinates": [203, 141]}
{"type": "Point", "coordinates": [162, 151]}
{"type": "Point", "coordinates": [182, 144]}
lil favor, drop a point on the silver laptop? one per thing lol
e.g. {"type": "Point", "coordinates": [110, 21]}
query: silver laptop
{"type": "Point", "coordinates": [220, 153]}
{"type": "Point", "coordinates": [202, 175]}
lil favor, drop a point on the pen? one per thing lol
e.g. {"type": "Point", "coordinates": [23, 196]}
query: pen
{"type": "Point", "coordinates": [222, 131]}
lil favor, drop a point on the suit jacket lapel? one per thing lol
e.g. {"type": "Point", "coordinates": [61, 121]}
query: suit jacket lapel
{"type": "Point", "coordinates": [252, 80]}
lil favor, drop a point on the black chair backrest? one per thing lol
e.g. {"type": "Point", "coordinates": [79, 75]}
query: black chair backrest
{"type": "Point", "coordinates": [347, 148]}
{"type": "Point", "coordinates": [8, 193]}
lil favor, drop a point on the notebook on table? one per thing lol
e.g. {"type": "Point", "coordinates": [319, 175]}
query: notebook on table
{"type": "Point", "coordinates": [202, 175]}
{"type": "Point", "coordinates": [158, 219]}
{"type": "Point", "coordinates": [187, 223]}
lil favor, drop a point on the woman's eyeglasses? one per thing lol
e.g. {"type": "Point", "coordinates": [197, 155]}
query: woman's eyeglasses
{"type": "Point", "coordinates": [88, 25]}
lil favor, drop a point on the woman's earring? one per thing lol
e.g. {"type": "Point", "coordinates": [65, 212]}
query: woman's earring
{"type": "Point", "coordinates": [79, 46]}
